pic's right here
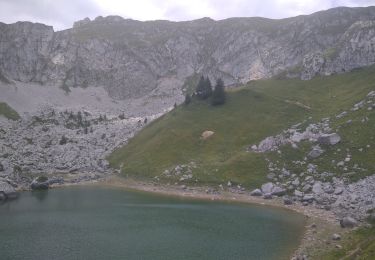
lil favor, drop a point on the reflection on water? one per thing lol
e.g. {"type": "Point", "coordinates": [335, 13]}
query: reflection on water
{"type": "Point", "coordinates": [40, 194]}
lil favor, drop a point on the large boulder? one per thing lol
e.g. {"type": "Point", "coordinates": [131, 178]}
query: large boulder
{"type": "Point", "coordinates": [7, 191]}
{"type": "Point", "coordinates": [348, 222]}
{"type": "Point", "coordinates": [267, 187]}
{"type": "Point", "coordinates": [40, 183]}
{"type": "Point", "coordinates": [329, 139]}
{"type": "Point", "coordinates": [278, 191]}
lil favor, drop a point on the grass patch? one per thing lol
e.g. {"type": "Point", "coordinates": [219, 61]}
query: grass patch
{"type": "Point", "coordinates": [253, 112]}
{"type": "Point", "coordinates": [8, 112]}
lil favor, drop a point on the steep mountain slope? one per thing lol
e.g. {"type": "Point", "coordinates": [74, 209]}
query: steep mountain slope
{"type": "Point", "coordinates": [131, 58]}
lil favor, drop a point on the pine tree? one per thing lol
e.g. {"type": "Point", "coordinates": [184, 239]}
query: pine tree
{"type": "Point", "coordinates": [204, 88]}
{"type": "Point", "coordinates": [200, 88]}
{"type": "Point", "coordinates": [218, 95]}
{"type": "Point", "coordinates": [187, 99]}
{"type": "Point", "coordinates": [207, 88]}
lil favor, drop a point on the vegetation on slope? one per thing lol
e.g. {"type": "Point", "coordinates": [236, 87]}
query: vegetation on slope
{"type": "Point", "coordinates": [8, 112]}
{"type": "Point", "coordinates": [259, 109]}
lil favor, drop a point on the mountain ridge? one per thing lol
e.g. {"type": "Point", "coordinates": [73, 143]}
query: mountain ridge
{"type": "Point", "coordinates": [131, 58]}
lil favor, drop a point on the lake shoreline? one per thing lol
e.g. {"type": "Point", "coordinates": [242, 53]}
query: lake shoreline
{"type": "Point", "coordinates": [320, 224]}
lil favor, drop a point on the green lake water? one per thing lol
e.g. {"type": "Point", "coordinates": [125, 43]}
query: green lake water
{"type": "Point", "coordinates": [105, 223]}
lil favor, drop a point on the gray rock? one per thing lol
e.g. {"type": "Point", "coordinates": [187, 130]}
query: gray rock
{"type": "Point", "coordinates": [308, 198]}
{"type": "Point", "coordinates": [256, 192]}
{"type": "Point", "coordinates": [277, 191]}
{"type": "Point", "coordinates": [329, 139]}
{"type": "Point", "coordinates": [328, 188]}
{"type": "Point", "coordinates": [7, 191]}
{"type": "Point", "coordinates": [306, 188]}
{"type": "Point", "coordinates": [287, 200]}
{"type": "Point", "coordinates": [267, 196]}
{"type": "Point", "coordinates": [336, 237]}
{"type": "Point", "coordinates": [267, 187]}
{"type": "Point", "coordinates": [348, 222]}
{"type": "Point", "coordinates": [317, 188]}
{"type": "Point", "coordinates": [341, 164]}
{"type": "Point", "coordinates": [298, 193]}
{"type": "Point", "coordinates": [40, 183]}
{"type": "Point", "coordinates": [315, 152]}
{"type": "Point", "coordinates": [296, 182]}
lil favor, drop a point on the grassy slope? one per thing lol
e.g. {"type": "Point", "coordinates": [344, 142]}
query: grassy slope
{"type": "Point", "coordinates": [358, 244]}
{"type": "Point", "coordinates": [8, 112]}
{"type": "Point", "coordinates": [251, 114]}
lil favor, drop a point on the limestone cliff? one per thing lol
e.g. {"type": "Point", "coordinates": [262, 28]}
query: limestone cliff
{"type": "Point", "coordinates": [131, 58]}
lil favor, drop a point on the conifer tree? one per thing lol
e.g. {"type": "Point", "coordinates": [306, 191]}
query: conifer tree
{"type": "Point", "coordinates": [218, 95]}
{"type": "Point", "coordinates": [200, 88]}
{"type": "Point", "coordinates": [207, 88]}
{"type": "Point", "coordinates": [187, 99]}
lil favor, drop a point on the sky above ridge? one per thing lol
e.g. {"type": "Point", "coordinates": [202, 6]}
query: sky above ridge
{"type": "Point", "coordinates": [62, 13]}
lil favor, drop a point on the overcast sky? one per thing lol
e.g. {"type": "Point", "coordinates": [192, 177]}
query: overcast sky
{"type": "Point", "coordinates": [62, 13]}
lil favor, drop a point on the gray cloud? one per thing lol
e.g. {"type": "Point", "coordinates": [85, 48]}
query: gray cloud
{"type": "Point", "coordinates": [62, 13]}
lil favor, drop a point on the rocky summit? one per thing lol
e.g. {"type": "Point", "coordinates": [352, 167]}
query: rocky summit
{"type": "Point", "coordinates": [131, 58]}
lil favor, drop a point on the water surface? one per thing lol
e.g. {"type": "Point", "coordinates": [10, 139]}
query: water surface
{"type": "Point", "coordinates": [103, 223]}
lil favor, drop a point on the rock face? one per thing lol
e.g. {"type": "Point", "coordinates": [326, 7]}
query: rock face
{"type": "Point", "coordinates": [131, 58]}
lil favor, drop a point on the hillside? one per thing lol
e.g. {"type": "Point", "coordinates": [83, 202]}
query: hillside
{"type": "Point", "coordinates": [130, 58]}
{"type": "Point", "coordinates": [171, 148]}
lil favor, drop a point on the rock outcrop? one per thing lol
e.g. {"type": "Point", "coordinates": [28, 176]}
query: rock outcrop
{"type": "Point", "coordinates": [132, 58]}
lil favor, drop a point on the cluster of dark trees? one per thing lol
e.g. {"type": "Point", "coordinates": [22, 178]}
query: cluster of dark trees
{"type": "Point", "coordinates": [204, 91]}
